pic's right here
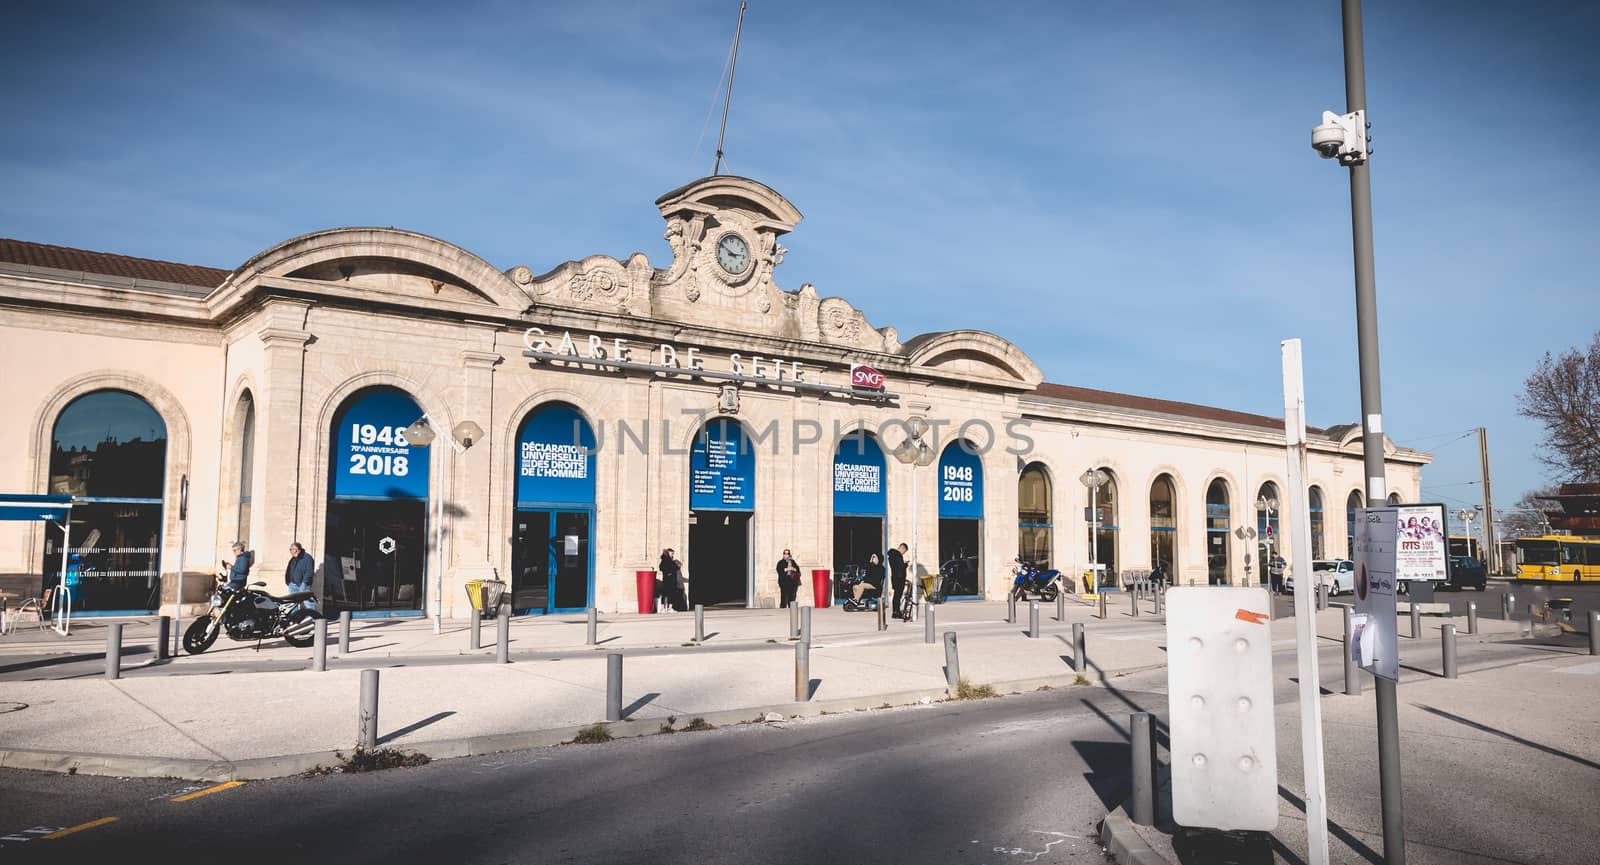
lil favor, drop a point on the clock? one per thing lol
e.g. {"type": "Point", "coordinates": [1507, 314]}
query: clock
{"type": "Point", "coordinates": [733, 254]}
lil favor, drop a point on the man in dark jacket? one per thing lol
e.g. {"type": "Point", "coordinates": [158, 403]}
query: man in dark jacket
{"type": "Point", "coordinates": [239, 568]}
{"type": "Point", "coordinates": [897, 577]}
{"type": "Point", "coordinates": [788, 579]}
{"type": "Point", "coordinates": [301, 569]}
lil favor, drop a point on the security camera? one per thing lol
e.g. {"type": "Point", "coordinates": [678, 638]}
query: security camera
{"type": "Point", "coordinates": [1328, 138]}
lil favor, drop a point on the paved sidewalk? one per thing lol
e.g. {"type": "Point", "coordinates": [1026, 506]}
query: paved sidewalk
{"type": "Point", "coordinates": [244, 713]}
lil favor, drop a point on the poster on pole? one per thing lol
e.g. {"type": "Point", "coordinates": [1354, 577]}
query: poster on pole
{"type": "Point", "coordinates": [1421, 552]}
{"type": "Point", "coordinates": [1374, 635]}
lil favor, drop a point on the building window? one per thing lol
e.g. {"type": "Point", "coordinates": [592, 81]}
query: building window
{"type": "Point", "coordinates": [960, 520]}
{"type": "Point", "coordinates": [1034, 526]}
{"type": "Point", "coordinates": [247, 461]}
{"type": "Point", "coordinates": [1394, 498]}
{"type": "Point", "coordinates": [1218, 525]}
{"type": "Point", "coordinates": [1317, 543]}
{"type": "Point", "coordinates": [1164, 527]}
{"type": "Point", "coordinates": [1351, 505]}
{"type": "Point", "coordinates": [1103, 540]}
{"type": "Point", "coordinates": [109, 448]}
{"type": "Point", "coordinates": [1269, 519]}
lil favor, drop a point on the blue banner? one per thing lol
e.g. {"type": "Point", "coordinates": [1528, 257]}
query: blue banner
{"type": "Point", "coordinates": [555, 458]}
{"type": "Point", "coordinates": [371, 459]}
{"type": "Point", "coordinates": [960, 484]}
{"type": "Point", "coordinates": [858, 478]}
{"type": "Point", "coordinates": [722, 469]}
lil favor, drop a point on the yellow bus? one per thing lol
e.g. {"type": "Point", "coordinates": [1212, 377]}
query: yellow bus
{"type": "Point", "coordinates": [1562, 558]}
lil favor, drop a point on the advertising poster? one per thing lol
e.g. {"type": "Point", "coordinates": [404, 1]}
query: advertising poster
{"type": "Point", "coordinates": [1374, 637]}
{"type": "Point", "coordinates": [722, 469]}
{"type": "Point", "coordinates": [371, 458]}
{"type": "Point", "coordinates": [960, 484]}
{"type": "Point", "coordinates": [555, 459]}
{"type": "Point", "coordinates": [858, 472]}
{"type": "Point", "coordinates": [1421, 552]}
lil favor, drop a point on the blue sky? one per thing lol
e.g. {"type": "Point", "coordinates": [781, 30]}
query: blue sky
{"type": "Point", "coordinates": [1127, 191]}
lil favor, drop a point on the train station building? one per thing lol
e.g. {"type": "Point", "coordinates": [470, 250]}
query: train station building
{"type": "Point", "coordinates": [418, 417]}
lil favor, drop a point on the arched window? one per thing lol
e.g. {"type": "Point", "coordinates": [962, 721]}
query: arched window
{"type": "Point", "coordinates": [1269, 526]}
{"type": "Point", "coordinates": [961, 520]}
{"type": "Point", "coordinates": [1164, 527]}
{"type": "Point", "coordinates": [552, 568]}
{"type": "Point", "coordinates": [860, 501]}
{"type": "Point", "coordinates": [1394, 498]}
{"type": "Point", "coordinates": [110, 447]}
{"type": "Point", "coordinates": [1318, 550]}
{"type": "Point", "coordinates": [722, 502]}
{"type": "Point", "coordinates": [1103, 526]}
{"type": "Point", "coordinates": [1034, 527]}
{"type": "Point", "coordinates": [247, 462]}
{"type": "Point", "coordinates": [1218, 525]}
{"type": "Point", "coordinates": [1351, 505]}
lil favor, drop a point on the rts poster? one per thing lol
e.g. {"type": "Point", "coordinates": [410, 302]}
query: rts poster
{"type": "Point", "coordinates": [1421, 551]}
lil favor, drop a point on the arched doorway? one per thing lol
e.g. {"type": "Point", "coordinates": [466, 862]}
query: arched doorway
{"type": "Point", "coordinates": [1035, 527]}
{"type": "Point", "coordinates": [1218, 525]}
{"type": "Point", "coordinates": [376, 555]}
{"type": "Point", "coordinates": [1352, 504]}
{"type": "Point", "coordinates": [1269, 527]}
{"type": "Point", "coordinates": [109, 448]}
{"type": "Point", "coordinates": [552, 567]}
{"type": "Point", "coordinates": [1164, 527]}
{"type": "Point", "coordinates": [722, 501]}
{"type": "Point", "coordinates": [860, 502]}
{"type": "Point", "coordinates": [1318, 526]}
{"type": "Point", "coordinates": [1103, 534]}
{"type": "Point", "coordinates": [960, 520]}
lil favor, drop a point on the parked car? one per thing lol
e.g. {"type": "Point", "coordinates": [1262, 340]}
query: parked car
{"type": "Point", "coordinates": [1466, 572]}
{"type": "Point", "coordinates": [1339, 575]}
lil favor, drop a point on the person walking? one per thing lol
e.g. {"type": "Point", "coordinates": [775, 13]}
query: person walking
{"type": "Point", "coordinates": [239, 568]}
{"type": "Point", "coordinates": [897, 578]}
{"type": "Point", "coordinates": [669, 588]}
{"type": "Point", "coordinates": [1275, 569]}
{"type": "Point", "coordinates": [788, 579]}
{"type": "Point", "coordinates": [301, 569]}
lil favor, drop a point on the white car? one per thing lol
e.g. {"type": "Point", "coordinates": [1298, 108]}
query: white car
{"type": "Point", "coordinates": [1339, 575]}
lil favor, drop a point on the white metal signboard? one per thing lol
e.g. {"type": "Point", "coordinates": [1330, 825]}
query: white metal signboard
{"type": "Point", "coordinates": [1219, 686]}
{"type": "Point", "coordinates": [1374, 637]}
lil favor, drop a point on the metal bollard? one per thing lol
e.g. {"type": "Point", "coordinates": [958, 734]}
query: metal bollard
{"type": "Point", "coordinates": [927, 623]}
{"type": "Point", "coordinates": [475, 631]}
{"type": "Point", "coordinates": [1033, 619]}
{"type": "Point", "coordinates": [163, 636]}
{"type": "Point", "coordinates": [1472, 617]}
{"type": "Point", "coordinates": [1506, 602]}
{"type": "Point", "coordinates": [367, 720]}
{"type": "Point", "coordinates": [614, 686]}
{"type": "Point", "coordinates": [794, 621]}
{"type": "Point", "coordinates": [502, 636]}
{"type": "Point", "coordinates": [1011, 609]}
{"type": "Point", "coordinates": [1322, 596]}
{"type": "Point", "coordinates": [1133, 597]}
{"type": "Point", "coordinates": [802, 671]}
{"type": "Point", "coordinates": [344, 632]}
{"type": "Point", "coordinates": [1416, 620]}
{"type": "Point", "coordinates": [952, 661]}
{"type": "Point", "coordinates": [1158, 593]}
{"type": "Point", "coordinates": [1061, 606]}
{"type": "Point", "coordinates": [1080, 657]}
{"type": "Point", "coordinates": [1447, 636]}
{"type": "Point", "coordinates": [319, 646]}
{"type": "Point", "coordinates": [1144, 768]}
{"type": "Point", "coordinates": [805, 624]}
{"type": "Point", "coordinates": [1533, 613]}
{"type": "Point", "coordinates": [1102, 596]}
{"type": "Point", "coordinates": [883, 612]}
{"type": "Point", "coordinates": [1352, 681]}
{"type": "Point", "coordinates": [114, 651]}
{"type": "Point", "coordinates": [1594, 632]}
{"type": "Point", "coordinates": [594, 627]}
{"type": "Point", "coordinates": [699, 623]}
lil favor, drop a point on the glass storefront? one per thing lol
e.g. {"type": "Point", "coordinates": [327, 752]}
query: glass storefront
{"type": "Point", "coordinates": [1164, 527]}
{"type": "Point", "coordinates": [1218, 525]}
{"type": "Point", "coordinates": [1034, 526]}
{"type": "Point", "coordinates": [552, 564]}
{"type": "Point", "coordinates": [960, 521]}
{"type": "Point", "coordinates": [722, 495]}
{"type": "Point", "coordinates": [860, 502]}
{"type": "Point", "coordinates": [1103, 532]}
{"type": "Point", "coordinates": [109, 450]}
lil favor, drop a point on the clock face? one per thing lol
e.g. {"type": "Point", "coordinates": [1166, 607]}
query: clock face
{"type": "Point", "coordinates": [733, 254]}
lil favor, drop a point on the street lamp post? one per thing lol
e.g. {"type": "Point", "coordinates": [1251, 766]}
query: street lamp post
{"type": "Point", "coordinates": [421, 434]}
{"type": "Point", "coordinates": [916, 453]}
{"type": "Point", "coordinates": [1466, 516]}
{"type": "Point", "coordinates": [1094, 479]}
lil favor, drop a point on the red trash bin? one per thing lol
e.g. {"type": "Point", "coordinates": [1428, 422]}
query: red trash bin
{"type": "Point", "coordinates": [821, 588]}
{"type": "Point", "coordinates": [646, 581]}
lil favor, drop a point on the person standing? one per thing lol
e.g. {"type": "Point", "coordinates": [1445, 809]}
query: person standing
{"type": "Point", "coordinates": [669, 589]}
{"type": "Point", "coordinates": [1275, 568]}
{"type": "Point", "coordinates": [301, 569]}
{"type": "Point", "coordinates": [897, 578]}
{"type": "Point", "coordinates": [788, 579]}
{"type": "Point", "coordinates": [239, 568]}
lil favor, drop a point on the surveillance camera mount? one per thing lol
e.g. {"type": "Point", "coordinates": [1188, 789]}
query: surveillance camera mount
{"type": "Point", "coordinates": [1354, 149]}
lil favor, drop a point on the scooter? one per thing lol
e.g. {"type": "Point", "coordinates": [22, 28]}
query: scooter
{"type": "Point", "coordinates": [847, 583]}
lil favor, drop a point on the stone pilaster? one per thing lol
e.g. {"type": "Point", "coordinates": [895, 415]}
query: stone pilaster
{"type": "Point", "coordinates": [278, 492]}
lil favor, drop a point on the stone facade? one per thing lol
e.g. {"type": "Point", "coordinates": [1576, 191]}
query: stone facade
{"type": "Point", "coordinates": [309, 323]}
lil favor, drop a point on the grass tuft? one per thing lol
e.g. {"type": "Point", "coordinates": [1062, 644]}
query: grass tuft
{"type": "Point", "coordinates": [965, 690]}
{"type": "Point", "coordinates": [362, 760]}
{"type": "Point", "coordinates": [594, 734]}
{"type": "Point", "coordinates": [695, 725]}
{"type": "Point", "coordinates": [1082, 680]}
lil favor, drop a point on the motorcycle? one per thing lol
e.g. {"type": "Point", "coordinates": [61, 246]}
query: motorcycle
{"type": "Point", "coordinates": [1032, 581]}
{"type": "Point", "coordinates": [247, 613]}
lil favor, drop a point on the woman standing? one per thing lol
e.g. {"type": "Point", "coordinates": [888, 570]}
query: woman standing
{"type": "Point", "coordinates": [788, 579]}
{"type": "Point", "coordinates": [669, 588]}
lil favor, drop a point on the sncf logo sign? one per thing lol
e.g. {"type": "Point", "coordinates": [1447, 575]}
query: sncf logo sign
{"type": "Point", "coordinates": [865, 377]}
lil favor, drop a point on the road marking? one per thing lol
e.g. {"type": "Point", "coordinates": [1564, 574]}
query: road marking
{"type": "Point", "coordinates": [79, 828]}
{"type": "Point", "coordinates": [208, 791]}
{"type": "Point", "coordinates": [1590, 669]}
{"type": "Point", "coordinates": [23, 836]}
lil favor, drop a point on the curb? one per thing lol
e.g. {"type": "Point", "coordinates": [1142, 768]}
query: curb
{"type": "Point", "coordinates": [261, 768]}
{"type": "Point", "coordinates": [1122, 841]}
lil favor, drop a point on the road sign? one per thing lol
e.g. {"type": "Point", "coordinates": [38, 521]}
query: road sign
{"type": "Point", "coordinates": [386, 546]}
{"type": "Point", "coordinates": [1374, 634]}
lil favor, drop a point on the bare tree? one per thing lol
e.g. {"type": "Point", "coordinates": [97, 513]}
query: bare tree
{"type": "Point", "coordinates": [1529, 518]}
{"type": "Point", "coordinates": [1563, 393]}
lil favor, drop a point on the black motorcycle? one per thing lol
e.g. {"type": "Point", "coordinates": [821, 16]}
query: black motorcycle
{"type": "Point", "coordinates": [250, 614]}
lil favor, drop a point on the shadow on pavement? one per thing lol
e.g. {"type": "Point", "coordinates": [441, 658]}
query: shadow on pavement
{"type": "Point", "coordinates": [640, 703]}
{"type": "Point", "coordinates": [56, 660]}
{"type": "Point", "coordinates": [1334, 829]}
{"type": "Point", "coordinates": [1467, 722]}
{"type": "Point", "coordinates": [431, 719]}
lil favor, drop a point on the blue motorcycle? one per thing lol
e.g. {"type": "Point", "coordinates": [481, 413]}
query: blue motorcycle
{"type": "Point", "coordinates": [1033, 581]}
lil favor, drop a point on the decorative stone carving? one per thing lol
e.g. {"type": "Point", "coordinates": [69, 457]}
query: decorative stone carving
{"type": "Point", "coordinates": [840, 321]}
{"type": "Point", "coordinates": [520, 274]}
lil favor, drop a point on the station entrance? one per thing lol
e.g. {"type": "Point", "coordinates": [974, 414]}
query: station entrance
{"type": "Point", "coordinates": [721, 505]}
{"type": "Point", "coordinates": [718, 564]}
